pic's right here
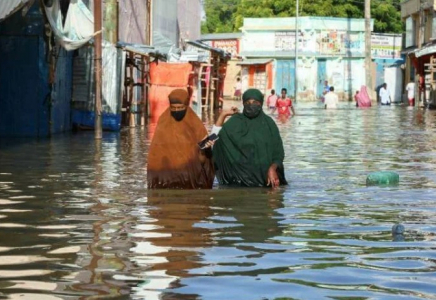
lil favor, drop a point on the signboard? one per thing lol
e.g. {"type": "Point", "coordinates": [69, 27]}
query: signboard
{"type": "Point", "coordinates": [284, 40]}
{"type": "Point", "coordinates": [386, 46]}
{"type": "Point", "coordinates": [322, 42]}
{"type": "Point", "coordinates": [340, 42]}
{"type": "Point", "coordinates": [231, 46]}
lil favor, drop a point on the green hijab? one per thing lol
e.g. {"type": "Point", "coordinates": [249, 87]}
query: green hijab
{"type": "Point", "coordinates": [247, 147]}
{"type": "Point", "coordinates": [254, 94]}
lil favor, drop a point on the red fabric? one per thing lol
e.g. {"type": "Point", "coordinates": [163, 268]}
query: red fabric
{"type": "Point", "coordinates": [164, 78]}
{"type": "Point", "coordinates": [283, 106]}
{"type": "Point", "coordinates": [363, 99]}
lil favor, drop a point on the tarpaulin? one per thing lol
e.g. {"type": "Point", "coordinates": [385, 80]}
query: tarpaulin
{"type": "Point", "coordinates": [164, 78]}
{"type": "Point", "coordinates": [8, 7]}
{"type": "Point", "coordinates": [79, 24]}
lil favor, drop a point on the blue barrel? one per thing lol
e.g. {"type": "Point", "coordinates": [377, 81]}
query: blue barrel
{"type": "Point", "coordinates": [382, 178]}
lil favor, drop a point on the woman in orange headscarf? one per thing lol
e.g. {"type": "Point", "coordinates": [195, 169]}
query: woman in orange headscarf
{"type": "Point", "coordinates": [175, 160]}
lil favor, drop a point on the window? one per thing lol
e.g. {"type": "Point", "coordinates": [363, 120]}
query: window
{"type": "Point", "coordinates": [433, 29]}
{"type": "Point", "coordinates": [410, 32]}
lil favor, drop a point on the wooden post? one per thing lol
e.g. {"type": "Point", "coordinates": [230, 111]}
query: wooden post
{"type": "Point", "coordinates": [368, 78]}
{"type": "Point", "coordinates": [143, 101]}
{"type": "Point", "coordinates": [132, 120]}
{"type": "Point", "coordinates": [149, 24]}
{"type": "Point", "coordinates": [212, 84]}
{"type": "Point", "coordinates": [98, 74]}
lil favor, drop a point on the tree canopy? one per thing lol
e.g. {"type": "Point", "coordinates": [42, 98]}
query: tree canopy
{"type": "Point", "coordinates": [228, 15]}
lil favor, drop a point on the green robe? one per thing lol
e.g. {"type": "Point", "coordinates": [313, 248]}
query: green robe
{"type": "Point", "coordinates": [245, 150]}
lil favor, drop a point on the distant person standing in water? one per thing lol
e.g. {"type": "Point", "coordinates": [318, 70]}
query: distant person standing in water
{"type": "Point", "coordinates": [326, 89]}
{"type": "Point", "coordinates": [385, 96]}
{"type": "Point", "coordinates": [410, 89]}
{"type": "Point", "coordinates": [271, 102]}
{"type": "Point", "coordinates": [238, 89]}
{"type": "Point", "coordinates": [331, 99]}
{"type": "Point", "coordinates": [284, 104]}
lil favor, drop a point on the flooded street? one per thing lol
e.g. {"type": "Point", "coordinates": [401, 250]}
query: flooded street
{"type": "Point", "coordinates": [77, 220]}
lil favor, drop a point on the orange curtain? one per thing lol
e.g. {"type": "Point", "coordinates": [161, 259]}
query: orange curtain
{"type": "Point", "coordinates": [251, 71]}
{"type": "Point", "coordinates": [164, 78]}
{"type": "Point", "coordinates": [269, 71]}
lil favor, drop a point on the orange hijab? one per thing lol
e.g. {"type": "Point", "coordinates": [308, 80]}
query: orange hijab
{"type": "Point", "coordinates": [173, 159]}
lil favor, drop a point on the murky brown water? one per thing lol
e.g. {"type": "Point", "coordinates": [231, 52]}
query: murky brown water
{"type": "Point", "coordinates": [77, 221]}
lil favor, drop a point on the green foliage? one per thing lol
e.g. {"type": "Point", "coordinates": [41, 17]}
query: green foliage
{"type": "Point", "coordinates": [228, 15]}
{"type": "Point", "coordinates": [220, 15]}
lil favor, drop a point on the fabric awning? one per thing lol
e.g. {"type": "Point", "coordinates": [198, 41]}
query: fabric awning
{"type": "Point", "coordinates": [256, 61]}
{"type": "Point", "coordinates": [8, 7]}
{"type": "Point", "coordinates": [79, 24]}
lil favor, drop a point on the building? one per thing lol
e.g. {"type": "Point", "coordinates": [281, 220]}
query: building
{"type": "Point", "coordinates": [329, 49]}
{"type": "Point", "coordinates": [420, 46]}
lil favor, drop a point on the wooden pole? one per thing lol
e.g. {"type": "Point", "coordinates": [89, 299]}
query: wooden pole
{"type": "Point", "coordinates": [149, 24]}
{"type": "Point", "coordinates": [296, 52]}
{"type": "Point", "coordinates": [143, 104]}
{"type": "Point", "coordinates": [132, 117]}
{"type": "Point", "coordinates": [368, 78]}
{"type": "Point", "coordinates": [97, 64]}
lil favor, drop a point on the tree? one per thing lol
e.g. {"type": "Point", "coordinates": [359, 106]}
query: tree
{"type": "Point", "coordinates": [220, 16]}
{"type": "Point", "coordinates": [228, 15]}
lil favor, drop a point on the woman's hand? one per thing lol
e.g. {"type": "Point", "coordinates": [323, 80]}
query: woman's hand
{"type": "Point", "coordinates": [209, 144]}
{"type": "Point", "coordinates": [224, 114]}
{"type": "Point", "coordinates": [273, 178]}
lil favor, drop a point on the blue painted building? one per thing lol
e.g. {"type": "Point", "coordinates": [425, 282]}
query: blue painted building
{"type": "Point", "coordinates": [35, 78]}
{"type": "Point", "coordinates": [329, 49]}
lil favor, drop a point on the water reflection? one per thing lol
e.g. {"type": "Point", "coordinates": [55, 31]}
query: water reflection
{"type": "Point", "coordinates": [179, 230]}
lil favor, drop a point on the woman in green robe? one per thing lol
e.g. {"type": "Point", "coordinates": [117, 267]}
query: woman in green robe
{"type": "Point", "coordinates": [249, 151]}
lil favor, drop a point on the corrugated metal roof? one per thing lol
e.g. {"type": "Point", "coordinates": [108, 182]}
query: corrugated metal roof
{"type": "Point", "coordinates": [204, 46]}
{"type": "Point", "coordinates": [142, 49]}
{"type": "Point", "coordinates": [426, 50]}
{"type": "Point", "coordinates": [256, 61]}
{"type": "Point", "coordinates": [8, 7]}
{"type": "Point", "coordinates": [221, 36]}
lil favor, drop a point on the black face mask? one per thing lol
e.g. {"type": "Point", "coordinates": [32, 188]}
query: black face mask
{"type": "Point", "coordinates": [178, 115]}
{"type": "Point", "coordinates": [252, 110]}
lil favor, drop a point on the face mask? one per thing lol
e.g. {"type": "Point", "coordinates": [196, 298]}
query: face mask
{"type": "Point", "coordinates": [178, 115]}
{"type": "Point", "coordinates": [252, 110]}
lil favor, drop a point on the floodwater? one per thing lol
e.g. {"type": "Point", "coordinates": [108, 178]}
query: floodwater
{"type": "Point", "coordinates": [77, 221]}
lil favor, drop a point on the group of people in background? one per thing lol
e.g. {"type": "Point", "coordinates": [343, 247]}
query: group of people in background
{"type": "Point", "coordinates": [283, 104]}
